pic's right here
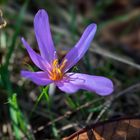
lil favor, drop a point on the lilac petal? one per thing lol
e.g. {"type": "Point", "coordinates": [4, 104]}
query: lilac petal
{"type": "Point", "coordinates": [43, 36]}
{"type": "Point", "coordinates": [101, 85]}
{"type": "Point", "coordinates": [67, 87]}
{"type": "Point", "coordinates": [36, 58]}
{"type": "Point", "coordinates": [39, 78]}
{"type": "Point", "coordinates": [81, 47]}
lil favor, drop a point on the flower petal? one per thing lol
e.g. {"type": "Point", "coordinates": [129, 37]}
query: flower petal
{"type": "Point", "coordinates": [36, 58]}
{"type": "Point", "coordinates": [66, 86]}
{"type": "Point", "coordinates": [81, 47]}
{"type": "Point", "coordinates": [43, 36]}
{"type": "Point", "coordinates": [39, 78]}
{"type": "Point", "coordinates": [101, 85]}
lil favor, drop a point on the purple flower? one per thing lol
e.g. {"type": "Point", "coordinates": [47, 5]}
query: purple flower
{"type": "Point", "coordinates": [52, 71]}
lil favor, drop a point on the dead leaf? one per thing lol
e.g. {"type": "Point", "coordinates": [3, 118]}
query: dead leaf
{"type": "Point", "coordinates": [118, 129]}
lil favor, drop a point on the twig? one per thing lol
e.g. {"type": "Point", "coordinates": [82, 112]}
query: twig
{"type": "Point", "coordinates": [89, 117]}
{"type": "Point", "coordinates": [108, 103]}
{"type": "Point", "coordinates": [67, 114]}
{"type": "Point", "coordinates": [71, 125]}
{"type": "Point", "coordinates": [95, 48]}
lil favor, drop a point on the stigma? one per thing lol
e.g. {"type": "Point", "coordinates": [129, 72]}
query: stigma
{"type": "Point", "coordinates": [57, 73]}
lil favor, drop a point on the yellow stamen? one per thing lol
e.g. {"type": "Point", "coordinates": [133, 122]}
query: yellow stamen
{"type": "Point", "coordinates": [63, 64]}
{"type": "Point", "coordinates": [57, 70]}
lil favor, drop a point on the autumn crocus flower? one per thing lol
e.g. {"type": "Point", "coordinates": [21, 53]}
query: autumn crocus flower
{"type": "Point", "coordinates": [54, 72]}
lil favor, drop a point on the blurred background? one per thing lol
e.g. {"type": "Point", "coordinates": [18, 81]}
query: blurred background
{"type": "Point", "coordinates": [114, 53]}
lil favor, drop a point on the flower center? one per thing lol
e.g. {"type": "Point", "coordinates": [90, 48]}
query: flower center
{"type": "Point", "coordinates": [57, 70]}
